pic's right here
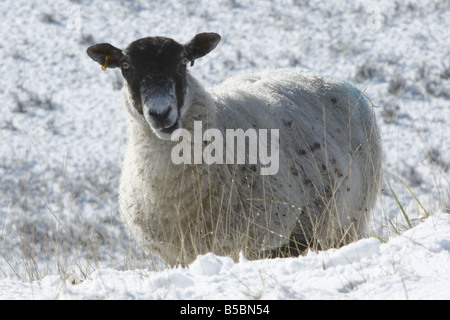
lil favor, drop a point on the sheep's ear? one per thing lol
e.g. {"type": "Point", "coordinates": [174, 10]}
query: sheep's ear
{"type": "Point", "coordinates": [99, 52]}
{"type": "Point", "coordinates": [201, 45]}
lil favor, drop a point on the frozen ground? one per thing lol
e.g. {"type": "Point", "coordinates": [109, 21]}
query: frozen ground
{"type": "Point", "coordinates": [414, 265]}
{"type": "Point", "coordinates": [63, 133]}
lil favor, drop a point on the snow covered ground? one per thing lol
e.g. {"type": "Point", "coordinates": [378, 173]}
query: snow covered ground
{"type": "Point", "coordinates": [63, 133]}
{"type": "Point", "coordinates": [414, 265]}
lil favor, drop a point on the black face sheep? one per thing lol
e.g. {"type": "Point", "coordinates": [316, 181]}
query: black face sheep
{"type": "Point", "coordinates": [268, 164]}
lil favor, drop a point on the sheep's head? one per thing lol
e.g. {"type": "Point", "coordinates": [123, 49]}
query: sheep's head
{"type": "Point", "coordinates": [155, 72]}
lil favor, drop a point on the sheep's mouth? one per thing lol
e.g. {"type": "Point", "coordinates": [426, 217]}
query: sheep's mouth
{"type": "Point", "coordinates": [166, 133]}
{"type": "Point", "coordinates": [172, 128]}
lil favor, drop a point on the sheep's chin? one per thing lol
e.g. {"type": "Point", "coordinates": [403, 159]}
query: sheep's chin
{"type": "Point", "coordinates": [166, 133]}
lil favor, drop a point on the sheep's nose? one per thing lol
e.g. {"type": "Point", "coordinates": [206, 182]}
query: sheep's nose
{"type": "Point", "coordinates": [161, 118]}
{"type": "Point", "coordinates": [158, 115]}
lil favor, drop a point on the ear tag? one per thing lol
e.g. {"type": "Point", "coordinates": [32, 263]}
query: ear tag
{"type": "Point", "coordinates": [106, 63]}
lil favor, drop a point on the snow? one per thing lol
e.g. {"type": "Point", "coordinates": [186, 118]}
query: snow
{"type": "Point", "coordinates": [63, 134]}
{"type": "Point", "coordinates": [414, 265]}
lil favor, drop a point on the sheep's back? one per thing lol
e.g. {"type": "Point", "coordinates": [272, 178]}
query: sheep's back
{"type": "Point", "coordinates": [330, 152]}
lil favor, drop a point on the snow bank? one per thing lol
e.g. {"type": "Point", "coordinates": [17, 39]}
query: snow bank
{"type": "Point", "coordinates": [414, 265]}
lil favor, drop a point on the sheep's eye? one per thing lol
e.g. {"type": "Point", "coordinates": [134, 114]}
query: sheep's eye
{"type": "Point", "coordinates": [125, 66]}
{"type": "Point", "coordinates": [185, 61]}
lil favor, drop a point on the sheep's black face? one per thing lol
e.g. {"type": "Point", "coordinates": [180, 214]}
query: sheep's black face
{"type": "Point", "coordinates": [155, 73]}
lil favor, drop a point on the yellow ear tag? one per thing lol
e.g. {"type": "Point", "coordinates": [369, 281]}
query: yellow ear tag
{"type": "Point", "coordinates": [106, 63]}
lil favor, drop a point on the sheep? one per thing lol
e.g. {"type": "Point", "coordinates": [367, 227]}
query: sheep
{"type": "Point", "coordinates": [329, 157]}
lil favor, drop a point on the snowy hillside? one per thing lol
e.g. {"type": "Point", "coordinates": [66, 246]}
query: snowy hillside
{"type": "Point", "coordinates": [63, 134]}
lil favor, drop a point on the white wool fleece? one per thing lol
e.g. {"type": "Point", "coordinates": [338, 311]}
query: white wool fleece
{"type": "Point", "coordinates": [329, 170]}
